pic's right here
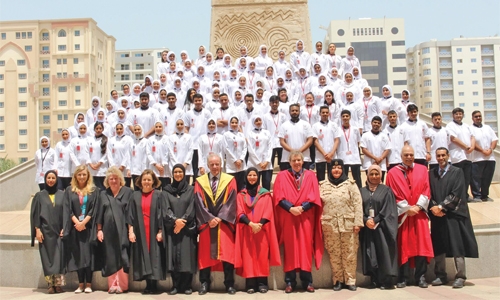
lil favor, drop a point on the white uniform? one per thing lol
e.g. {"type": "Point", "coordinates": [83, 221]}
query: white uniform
{"type": "Point", "coordinates": [62, 159]}
{"type": "Point", "coordinates": [348, 63]}
{"type": "Point", "coordinates": [139, 155]}
{"type": "Point", "coordinates": [334, 61]}
{"type": "Point", "coordinates": [417, 132]}
{"type": "Point", "coordinates": [235, 148]}
{"type": "Point", "coordinates": [44, 161]}
{"type": "Point", "coordinates": [376, 144]}
{"type": "Point", "coordinates": [280, 66]}
{"type": "Point", "coordinates": [357, 114]}
{"type": "Point", "coordinates": [79, 152]}
{"type": "Point", "coordinates": [118, 152]}
{"type": "Point", "coordinates": [158, 154]}
{"type": "Point", "coordinates": [300, 59]}
{"type": "Point", "coordinates": [463, 133]}
{"type": "Point", "coordinates": [169, 117]}
{"type": "Point", "coordinates": [262, 62]}
{"type": "Point", "coordinates": [310, 114]}
{"type": "Point", "coordinates": [207, 143]}
{"type": "Point", "coordinates": [245, 118]}
{"type": "Point", "coordinates": [144, 117]}
{"type": "Point", "coordinates": [91, 115]}
{"type": "Point", "coordinates": [223, 114]}
{"type": "Point", "coordinates": [397, 138]}
{"type": "Point", "coordinates": [340, 93]}
{"type": "Point", "coordinates": [439, 138]}
{"type": "Point", "coordinates": [348, 149]}
{"type": "Point", "coordinates": [295, 135]}
{"type": "Point", "coordinates": [260, 148]}
{"type": "Point", "coordinates": [272, 123]}
{"type": "Point", "coordinates": [95, 156]}
{"type": "Point", "coordinates": [484, 137]}
{"type": "Point", "coordinates": [196, 122]}
{"type": "Point", "coordinates": [320, 59]}
{"type": "Point", "coordinates": [325, 133]}
{"type": "Point", "coordinates": [180, 150]}
{"type": "Point", "coordinates": [371, 108]}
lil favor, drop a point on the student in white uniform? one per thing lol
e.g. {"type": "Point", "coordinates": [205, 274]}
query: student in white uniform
{"type": "Point", "coordinates": [272, 122]}
{"type": "Point", "coordinates": [144, 116]}
{"type": "Point", "coordinates": [154, 96]}
{"type": "Point", "coordinates": [245, 114]}
{"type": "Point", "coordinates": [375, 146]}
{"type": "Point", "coordinates": [357, 114]}
{"type": "Point", "coordinates": [300, 58]}
{"type": "Point", "coordinates": [138, 155]}
{"type": "Point", "coordinates": [348, 149]}
{"type": "Point", "coordinates": [201, 55]}
{"type": "Point", "coordinates": [269, 80]}
{"type": "Point", "coordinates": [334, 107]}
{"type": "Point", "coordinates": [188, 103]}
{"type": "Point", "coordinates": [260, 150]}
{"type": "Point", "coordinates": [333, 79]}
{"type": "Point", "coordinates": [110, 112]}
{"type": "Point", "coordinates": [333, 59]}
{"type": "Point", "coordinates": [319, 58]}
{"type": "Point", "coordinates": [388, 103]}
{"type": "Point", "coordinates": [310, 113]}
{"type": "Point", "coordinates": [213, 102]}
{"type": "Point", "coordinates": [195, 122]}
{"type": "Point", "coordinates": [98, 162]}
{"type": "Point", "coordinates": [290, 83]}
{"type": "Point", "coordinates": [483, 163]}
{"type": "Point", "coordinates": [349, 62]}
{"type": "Point", "coordinates": [79, 148]}
{"type": "Point", "coordinates": [222, 114]}
{"type": "Point", "coordinates": [348, 85]}
{"type": "Point", "coordinates": [326, 139]}
{"type": "Point", "coordinates": [439, 138]}
{"type": "Point", "coordinates": [238, 103]}
{"type": "Point", "coordinates": [118, 151]}
{"type": "Point", "coordinates": [243, 54]}
{"type": "Point", "coordinates": [91, 115]}
{"type": "Point", "coordinates": [262, 100]}
{"type": "Point", "coordinates": [158, 155]}
{"type": "Point", "coordinates": [180, 148]}
{"type": "Point", "coordinates": [371, 108]}
{"type": "Point", "coordinates": [303, 87]}
{"type": "Point", "coordinates": [209, 142]}
{"type": "Point", "coordinates": [162, 67]}
{"type": "Point", "coordinates": [170, 113]}
{"type": "Point", "coordinates": [44, 161]}
{"type": "Point", "coordinates": [262, 61]}
{"type": "Point", "coordinates": [121, 117]}
{"type": "Point", "coordinates": [462, 144]}
{"type": "Point", "coordinates": [73, 131]}
{"type": "Point", "coordinates": [397, 138]}
{"type": "Point", "coordinates": [235, 150]}
{"type": "Point", "coordinates": [419, 136]}
{"type": "Point", "coordinates": [148, 81]}
{"type": "Point", "coordinates": [295, 134]}
{"type": "Point", "coordinates": [285, 102]}
{"type": "Point", "coordinates": [209, 65]}
{"type": "Point", "coordinates": [252, 77]}
{"type": "Point", "coordinates": [62, 161]}
{"type": "Point", "coordinates": [360, 81]}
{"type": "Point", "coordinates": [319, 89]}
{"type": "Point", "coordinates": [281, 65]}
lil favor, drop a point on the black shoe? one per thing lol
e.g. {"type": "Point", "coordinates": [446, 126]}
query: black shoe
{"type": "Point", "coordinates": [459, 283]}
{"type": "Point", "coordinates": [338, 286]}
{"type": "Point", "coordinates": [401, 285]}
{"type": "Point", "coordinates": [250, 291]}
{"type": "Point", "coordinates": [438, 281]}
{"type": "Point", "coordinates": [422, 283]}
{"type": "Point", "coordinates": [372, 285]}
{"type": "Point", "coordinates": [387, 286]}
{"type": "Point", "coordinates": [203, 289]}
{"type": "Point", "coordinates": [231, 290]}
{"type": "Point", "coordinates": [146, 291]}
{"type": "Point", "coordinates": [351, 287]}
{"type": "Point", "coordinates": [263, 289]}
{"type": "Point", "coordinates": [188, 291]}
{"type": "Point", "coordinates": [173, 292]}
{"type": "Point", "coordinates": [487, 199]}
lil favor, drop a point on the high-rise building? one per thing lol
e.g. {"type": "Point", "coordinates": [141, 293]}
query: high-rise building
{"type": "Point", "coordinates": [379, 45]}
{"type": "Point", "coordinates": [49, 70]}
{"type": "Point", "coordinates": [131, 66]}
{"type": "Point", "coordinates": [460, 72]}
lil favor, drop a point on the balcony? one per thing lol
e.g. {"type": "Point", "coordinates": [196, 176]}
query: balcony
{"type": "Point", "coordinates": [411, 71]}
{"type": "Point", "coordinates": [445, 65]}
{"type": "Point", "coordinates": [46, 94]}
{"type": "Point", "coordinates": [45, 107]}
{"type": "Point", "coordinates": [486, 52]}
{"type": "Point", "coordinates": [488, 63]}
{"type": "Point", "coordinates": [447, 97]}
{"type": "Point", "coordinates": [44, 51]}
{"type": "Point", "coordinates": [444, 53]}
{"type": "Point", "coordinates": [490, 118]}
{"type": "Point", "coordinates": [489, 96]}
{"type": "Point", "coordinates": [46, 80]}
{"type": "Point", "coordinates": [488, 74]}
{"type": "Point", "coordinates": [46, 121]}
{"type": "Point", "coordinates": [411, 61]}
{"type": "Point", "coordinates": [490, 107]}
{"type": "Point", "coordinates": [446, 87]}
{"type": "Point", "coordinates": [65, 78]}
{"type": "Point", "coordinates": [489, 85]}
{"type": "Point", "coordinates": [446, 75]}
{"type": "Point", "coordinates": [446, 108]}
{"type": "Point", "coordinates": [45, 66]}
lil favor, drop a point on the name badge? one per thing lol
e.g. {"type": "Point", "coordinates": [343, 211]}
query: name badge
{"type": "Point", "coordinates": [77, 147]}
{"type": "Point", "coordinates": [42, 174]}
{"type": "Point", "coordinates": [91, 150]}
{"type": "Point", "coordinates": [113, 150]}
{"type": "Point", "coordinates": [153, 149]}
{"type": "Point", "coordinates": [235, 144]}
{"type": "Point", "coordinates": [61, 155]}
{"type": "Point", "coordinates": [257, 143]}
{"type": "Point", "coordinates": [133, 153]}
{"type": "Point", "coordinates": [81, 218]}
{"type": "Point", "coordinates": [348, 153]}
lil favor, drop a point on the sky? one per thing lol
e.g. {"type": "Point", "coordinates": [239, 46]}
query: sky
{"type": "Point", "coordinates": [185, 25]}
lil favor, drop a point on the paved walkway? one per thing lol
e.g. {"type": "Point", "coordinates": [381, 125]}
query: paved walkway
{"type": "Point", "coordinates": [486, 288]}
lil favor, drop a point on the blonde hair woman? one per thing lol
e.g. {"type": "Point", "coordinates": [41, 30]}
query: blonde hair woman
{"type": "Point", "coordinates": [80, 201]}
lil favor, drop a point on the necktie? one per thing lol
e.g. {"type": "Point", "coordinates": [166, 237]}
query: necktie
{"type": "Point", "coordinates": [214, 185]}
{"type": "Point", "coordinates": [441, 172]}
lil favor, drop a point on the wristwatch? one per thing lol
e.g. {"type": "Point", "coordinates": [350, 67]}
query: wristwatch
{"type": "Point", "coordinates": [440, 207]}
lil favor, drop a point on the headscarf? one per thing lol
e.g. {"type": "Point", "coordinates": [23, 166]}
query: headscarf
{"type": "Point", "coordinates": [212, 131]}
{"type": "Point", "coordinates": [120, 102]}
{"type": "Point", "coordinates": [118, 119]}
{"type": "Point", "coordinates": [351, 56]}
{"type": "Point", "coordinates": [255, 117]}
{"type": "Point", "coordinates": [142, 132]}
{"type": "Point", "coordinates": [50, 189]}
{"type": "Point", "coordinates": [260, 51]}
{"type": "Point", "coordinates": [168, 58]}
{"type": "Point", "coordinates": [409, 94]}
{"type": "Point", "coordinates": [342, 178]}
{"type": "Point", "coordinates": [98, 100]}
{"type": "Point", "coordinates": [78, 130]}
{"type": "Point", "coordinates": [230, 119]}
{"type": "Point", "coordinates": [177, 187]}
{"type": "Point", "coordinates": [176, 130]}
{"type": "Point", "coordinates": [371, 92]}
{"type": "Point", "coordinates": [224, 61]}
{"type": "Point", "coordinates": [303, 46]}
{"type": "Point", "coordinates": [75, 120]}
{"type": "Point", "coordinates": [133, 87]}
{"type": "Point", "coordinates": [48, 140]}
{"type": "Point", "coordinates": [390, 91]}
{"type": "Point", "coordinates": [252, 189]}
{"type": "Point", "coordinates": [359, 73]}
{"type": "Point", "coordinates": [373, 186]}
{"type": "Point", "coordinates": [68, 140]}
{"type": "Point", "coordinates": [113, 109]}
{"type": "Point", "coordinates": [281, 60]}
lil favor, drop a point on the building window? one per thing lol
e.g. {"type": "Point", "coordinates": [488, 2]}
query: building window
{"type": "Point", "coordinates": [427, 83]}
{"type": "Point", "coordinates": [62, 89]}
{"type": "Point", "coordinates": [1, 118]}
{"type": "Point", "coordinates": [2, 104]}
{"type": "Point", "coordinates": [77, 32]}
{"type": "Point", "coordinates": [460, 71]}
{"type": "Point", "coordinates": [46, 91]}
{"type": "Point", "coordinates": [76, 74]}
{"type": "Point", "coordinates": [63, 103]}
{"type": "Point", "coordinates": [23, 160]}
{"type": "Point", "coordinates": [125, 77]}
{"type": "Point", "coordinates": [124, 55]}
{"type": "Point", "coordinates": [28, 48]}
{"type": "Point", "coordinates": [139, 54]}
{"type": "Point", "coordinates": [2, 132]}
{"type": "Point", "coordinates": [459, 61]}
{"type": "Point", "coordinates": [23, 146]}
{"type": "Point", "coordinates": [1, 76]}
{"type": "Point", "coordinates": [59, 117]}
{"type": "Point", "coordinates": [472, 49]}
{"type": "Point", "coordinates": [45, 63]}
{"type": "Point", "coordinates": [77, 46]}
{"type": "Point", "coordinates": [45, 36]}
{"type": "Point", "coordinates": [61, 33]}
{"type": "Point", "coordinates": [428, 104]}
{"type": "Point", "coordinates": [23, 118]}
{"type": "Point", "coordinates": [65, 117]}
{"type": "Point", "coordinates": [78, 102]}
{"type": "Point", "coordinates": [460, 83]}
{"type": "Point", "coordinates": [139, 66]}
{"type": "Point", "coordinates": [2, 147]}
{"type": "Point", "coordinates": [474, 71]}
{"type": "Point", "coordinates": [30, 35]}
{"type": "Point", "coordinates": [474, 82]}
{"type": "Point", "coordinates": [473, 60]}
{"type": "Point", "coordinates": [461, 104]}
{"type": "Point", "coordinates": [75, 61]}
{"type": "Point", "coordinates": [46, 105]}
{"type": "Point", "coordinates": [2, 63]}
{"type": "Point", "coordinates": [78, 88]}
{"type": "Point", "coordinates": [18, 35]}
{"type": "Point", "coordinates": [21, 62]}
{"type": "Point", "coordinates": [399, 82]}
{"type": "Point", "coordinates": [475, 104]}
{"type": "Point", "coordinates": [46, 132]}
{"type": "Point", "coordinates": [475, 93]}
{"type": "Point", "coordinates": [46, 119]}
{"type": "Point", "coordinates": [23, 90]}
{"type": "Point", "coordinates": [124, 67]}
{"type": "Point", "coordinates": [426, 50]}
{"type": "Point", "coordinates": [426, 61]}
{"type": "Point", "coordinates": [427, 72]}
{"type": "Point", "coordinates": [23, 103]}
{"type": "Point", "coordinates": [399, 69]}
{"type": "Point", "coordinates": [61, 47]}
{"type": "Point", "coordinates": [398, 43]}
{"type": "Point", "coordinates": [459, 49]}
{"type": "Point", "coordinates": [399, 56]}
{"type": "Point", "coordinates": [22, 76]}
{"type": "Point", "coordinates": [460, 94]}
{"type": "Point", "coordinates": [1, 93]}
{"type": "Point", "coordinates": [4, 36]}
{"type": "Point", "coordinates": [23, 132]}
{"type": "Point", "coordinates": [428, 94]}
{"type": "Point", "coordinates": [139, 76]}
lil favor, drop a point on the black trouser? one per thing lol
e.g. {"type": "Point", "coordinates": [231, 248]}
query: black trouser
{"type": "Point", "coordinates": [240, 180]}
{"type": "Point", "coordinates": [134, 178]}
{"type": "Point", "coordinates": [256, 283]}
{"type": "Point", "coordinates": [228, 275]}
{"type": "Point", "coordinates": [265, 179]}
{"type": "Point", "coordinates": [466, 166]}
{"type": "Point", "coordinates": [84, 275]}
{"type": "Point", "coordinates": [433, 166]}
{"type": "Point", "coordinates": [312, 153]}
{"type": "Point", "coordinates": [194, 163]}
{"type": "Point", "coordinates": [482, 175]}
{"type": "Point", "coordinates": [356, 173]}
{"type": "Point", "coordinates": [321, 168]}
{"type": "Point", "coordinates": [420, 269]}
{"type": "Point", "coordinates": [151, 284]}
{"type": "Point", "coordinates": [182, 280]}
{"type": "Point", "coordinates": [383, 175]}
{"type": "Point", "coordinates": [277, 152]}
{"type": "Point", "coordinates": [99, 182]}
{"type": "Point", "coordinates": [305, 278]}
{"type": "Point", "coordinates": [128, 180]}
{"type": "Point", "coordinates": [63, 183]}
{"type": "Point", "coordinates": [421, 161]}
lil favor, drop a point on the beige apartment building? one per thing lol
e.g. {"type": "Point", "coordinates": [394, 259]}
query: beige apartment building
{"type": "Point", "coordinates": [49, 70]}
{"type": "Point", "coordinates": [379, 45]}
{"type": "Point", "coordinates": [460, 72]}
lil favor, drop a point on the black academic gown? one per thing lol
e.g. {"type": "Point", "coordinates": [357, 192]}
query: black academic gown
{"type": "Point", "coordinates": [379, 247]}
{"type": "Point", "coordinates": [112, 253]}
{"type": "Point", "coordinates": [49, 218]}
{"type": "Point", "coordinates": [181, 247]}
{"type": "Point", "coordinates": [453, 233]}
{"type": "Point", "coordinates": [79, 249]}
{"type": "Point", "coordinates": [147, 264]}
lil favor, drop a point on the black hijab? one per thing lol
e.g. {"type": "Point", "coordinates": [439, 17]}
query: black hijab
{"type": "Point", "coordinates": [177, 187]}
{"type": "Point", "coordinates": [252, 188]}
{"type": "Point", "coordinates": [50, 189]}
{"type": "Point", "coordinates": [342, 178]}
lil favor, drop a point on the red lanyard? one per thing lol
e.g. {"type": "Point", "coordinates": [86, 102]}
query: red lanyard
{"type": "Point", "coordinates": [271, 84]}
{"type": "Point", "coordinates": [347, 137]}
{"type": "Point", "coordinates": [276, 123]}
{"type": "Point", "coordinates": [309, 112]}
{"type": "Point", "coordinates": [366, 104]}
{"type": "Point", "coordinates": [211, 145]}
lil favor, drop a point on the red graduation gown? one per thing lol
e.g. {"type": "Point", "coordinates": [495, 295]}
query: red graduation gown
{"type": "Point", "coordinates": [215, 244]}
{"type": "Point", "coordinates": [413, 235]}
{"type": "Point", "coordinates": [256, 253]}
{"type": "Point", "coordinates": [301, 235]}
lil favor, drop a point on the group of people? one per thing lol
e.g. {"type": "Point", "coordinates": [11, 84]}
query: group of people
{"type": "Point", "coordinates": [205, 116]}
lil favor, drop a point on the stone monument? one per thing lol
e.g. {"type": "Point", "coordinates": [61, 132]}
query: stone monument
{"type": "Point", "coordinates": [276, 23]}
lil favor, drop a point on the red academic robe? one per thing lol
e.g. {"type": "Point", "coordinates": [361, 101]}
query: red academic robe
{"type": "Point", "coordinates": [256, 253]}
{"type": "Point", "coordinates": [215, 244]}
{"type": "Point", "coordinates": [301, 235]}
{"type": "Point", "coordinates": [413, 235]}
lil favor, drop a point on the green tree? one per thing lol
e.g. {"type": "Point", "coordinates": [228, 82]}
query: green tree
{"type": "Point", "coordinates": [6, 164]}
